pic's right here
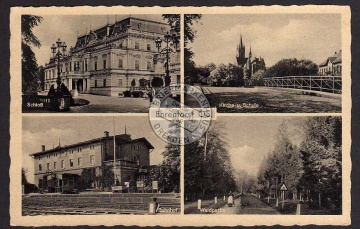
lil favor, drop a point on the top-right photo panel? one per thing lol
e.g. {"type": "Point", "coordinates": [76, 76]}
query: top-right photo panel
{"type": "Point", "coordinates": [266, 63]}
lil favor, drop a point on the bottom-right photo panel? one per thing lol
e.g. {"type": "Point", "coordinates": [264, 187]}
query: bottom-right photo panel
{"type": "Point", "coordinates": [266, 165]}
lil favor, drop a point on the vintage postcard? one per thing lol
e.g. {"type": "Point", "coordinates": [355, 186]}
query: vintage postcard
{"type": "Point", "coordinates": [180, 116]}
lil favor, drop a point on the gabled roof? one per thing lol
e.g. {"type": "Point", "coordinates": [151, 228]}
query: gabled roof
{"type": "Point", "coordinates": [147, 143]}
{"type": "Point", "coordinates": [336, 58]}
{"type": "Point", "coordinates": [122, 138]}
{"type": "Point", "coordinates": [117, 27]}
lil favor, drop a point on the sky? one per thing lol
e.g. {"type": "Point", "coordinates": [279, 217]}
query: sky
{"type": "Point", "coordinates": [250, 139]}
{"type": "Point", "coordinates": [47, 131]}
{"type": "Point", "coordinates": [66, 27]}
{"type": "Point", "coordinates": [273, 36]}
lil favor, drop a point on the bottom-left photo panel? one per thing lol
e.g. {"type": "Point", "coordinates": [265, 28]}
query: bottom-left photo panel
{"type": "Point", "coordinates": [91, 165]}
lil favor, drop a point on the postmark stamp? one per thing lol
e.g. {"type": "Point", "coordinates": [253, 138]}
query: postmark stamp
{"type": "Point", "coordinates": [168, 116]}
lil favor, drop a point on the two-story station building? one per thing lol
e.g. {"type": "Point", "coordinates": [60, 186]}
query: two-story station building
{"type": "Point", "coordinates": [66, 167]}
{"type": "Point", "coordinates": [106, 60]}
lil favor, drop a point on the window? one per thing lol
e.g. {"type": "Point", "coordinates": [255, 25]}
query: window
{"type": "Point", "coordinates": [48, 166]}
{"type": "Point", "coordinates": [55, 165]}
{"type": "Point", "coordinates": [104, 82]}
{"type": "Point", "coordinates": [79, 149]}
{"type": "Point", "coordinates": [137, 45]}
{"type": "Point", "coordinates": [178, 79]}
{"type": "Point", "coordinates": [137, 64]}
{"type": "Point", "coordinates": [95, 65]}
{"type": "Point", "coordinates": [70, 67]}
{"type": "Point", "coordinates": [120, 83]}
{"type": "Point", "coordinates": [148, 47]}
{"type": "Point", "coordinates": [92, 159]}
{"type": "Point", "coordinates": [104, 64]}
{"type": "Point", "coordinates": [85, 65]}
{"type": "Point", "coordinates": [63, 164]}
{"type": "Point", "coordinates": [76, 66]}
{"type": "Point", "coordinates": [95, 83]}
{"type": "Point", "coordinates": [80, 161]}
{"type": "Point", "coordinates": [120, 45]}
{"type": "Point", "coordinates": [40, 167]}
{"type": "Point", "coordinates": [71, 162]}
{"type": "Point", "coordinates": [121, 64]}
{"type": "Point", "coordinates": [148, 65]}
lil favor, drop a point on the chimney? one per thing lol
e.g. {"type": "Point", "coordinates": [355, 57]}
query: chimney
{"type": "Point", "coordinates": [108, 31]}
{"type": "Point", "coordinates": [42, 148]}
{"type": "Point", "coordinates": [106, 134]}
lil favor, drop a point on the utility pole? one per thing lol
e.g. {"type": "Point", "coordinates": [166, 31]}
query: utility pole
{"type": "Point", "coordinates": [114, 153]}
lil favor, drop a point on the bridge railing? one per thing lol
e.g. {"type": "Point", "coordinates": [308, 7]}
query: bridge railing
{"type": "Point", "coordinates": [330, 84]}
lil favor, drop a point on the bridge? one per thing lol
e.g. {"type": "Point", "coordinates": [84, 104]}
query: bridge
{"type": "Point", "coordinates": [329, 84]}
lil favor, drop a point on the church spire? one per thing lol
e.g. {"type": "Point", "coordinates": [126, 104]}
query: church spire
{"type": "Point", "coordinates": [250, 54]}
{"type": "Point", "coordinates": [241, 42]}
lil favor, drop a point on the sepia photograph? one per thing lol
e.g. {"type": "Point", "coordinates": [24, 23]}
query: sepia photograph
{"type": "Point", "coordinates": [266, 166]}
{"type": "Point", "coordinates": [97, 63]}
{"type": "Point", "coordinates": [158, 116]}
{"type": "Point", "coordinates": [266, 63]}
{"type": "Point", "coordinates": [68, 167]}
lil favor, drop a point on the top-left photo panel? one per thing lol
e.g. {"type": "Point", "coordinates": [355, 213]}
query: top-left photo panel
{"type": "Point", "coordinates": [97, 63]}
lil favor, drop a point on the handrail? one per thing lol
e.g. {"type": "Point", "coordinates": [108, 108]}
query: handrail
{"type": "Point", "coordinates": [329, 84]}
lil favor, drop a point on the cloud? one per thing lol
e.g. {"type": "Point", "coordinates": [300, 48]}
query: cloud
{"type": "Point", "coordinates": [32, 142]}
{"type": "Point", "coordinates": [301, 37]}
{"type": "Point", "coordinates": [246, 158]}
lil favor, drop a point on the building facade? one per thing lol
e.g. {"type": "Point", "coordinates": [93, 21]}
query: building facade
{"type": "Point", "coordinates": [332, 65]}
{"type": "Point", "coordinates": [105, 61]}
{"type": "Point", "coordinates": [64, 167]}
{"type": "Point", "coordinates": [250, 66]}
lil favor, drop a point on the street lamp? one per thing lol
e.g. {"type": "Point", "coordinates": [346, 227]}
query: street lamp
{"type": "Point", "coordinates": [58, 50]}
{"type": "Point", "coordinates": [171, 36]}
{"type": "Point", "coordinates": [60, 99]}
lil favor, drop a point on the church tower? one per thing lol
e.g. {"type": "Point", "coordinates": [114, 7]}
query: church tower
{"type": "Point", "coordinates": [249, 63]}
{"type": "Point", "coordinates": [240, 56]}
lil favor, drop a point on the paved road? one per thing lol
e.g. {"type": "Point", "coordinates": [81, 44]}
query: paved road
{"type": "Point", "coordinates": [255, 206]}
{"type": "Point", "coordinates": [226, 210]}
{"type": "Point", "coordinates": [269, 100]}
{"type": "Point", "coordinates": [107, 104]}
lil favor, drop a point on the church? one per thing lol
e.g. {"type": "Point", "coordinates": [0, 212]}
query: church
{"type": "Point", "coordinates": [250, 66]}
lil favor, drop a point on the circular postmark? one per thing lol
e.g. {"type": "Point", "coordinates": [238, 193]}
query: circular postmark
{"type": "Point", "coordinates": [168, 116]}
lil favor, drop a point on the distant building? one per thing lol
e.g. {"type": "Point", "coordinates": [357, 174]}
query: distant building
{"type": "Point", "coordinates": [61, 168]}
{"type": "Point", "coordinates": [332, 65]}
{"type": "Point", "coordinates": [250, 66]}
{"type": "Point", "coordinates": [104, 61]}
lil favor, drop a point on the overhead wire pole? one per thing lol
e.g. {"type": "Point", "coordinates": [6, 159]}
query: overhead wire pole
{"type": "Point", "coordinates": [114, 152]}
{"type": "Point", "coordinates": [206, 140]}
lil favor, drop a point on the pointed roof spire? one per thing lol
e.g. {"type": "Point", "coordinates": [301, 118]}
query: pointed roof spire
{"type": "Point", "coordinates": [241, 42]}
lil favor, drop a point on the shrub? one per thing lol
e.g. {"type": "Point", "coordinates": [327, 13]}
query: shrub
{"type": "Point", "coordinates": [127, 94]}
{"type": "Point", "coordinates": [137, 94]}
{"type": "Point", "coordinates": [157, 82]}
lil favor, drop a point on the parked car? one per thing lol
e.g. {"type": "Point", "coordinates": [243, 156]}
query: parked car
{"type": "Point", "coordinates": [231, 201]}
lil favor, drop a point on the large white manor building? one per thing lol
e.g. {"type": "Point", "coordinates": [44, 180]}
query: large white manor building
{"type": "Point", "coordinates": [106, 60]}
